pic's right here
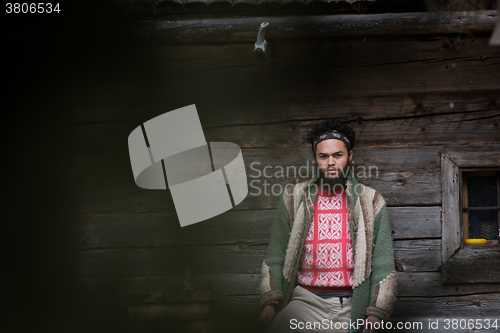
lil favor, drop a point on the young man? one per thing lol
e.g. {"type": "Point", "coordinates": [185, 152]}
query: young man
{"type": "Point", "coordinates": [329, 265]}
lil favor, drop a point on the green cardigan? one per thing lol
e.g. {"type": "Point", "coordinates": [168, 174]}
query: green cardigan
{"type": "Point", "coordinates": [374, 286]}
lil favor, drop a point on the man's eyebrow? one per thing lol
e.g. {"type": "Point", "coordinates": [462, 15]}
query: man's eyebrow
{"type": "Point", "coordinates": [340, 151]}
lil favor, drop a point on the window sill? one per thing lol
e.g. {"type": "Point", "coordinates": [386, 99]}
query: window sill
{"type": "Point", "coordinates": [473, 264]}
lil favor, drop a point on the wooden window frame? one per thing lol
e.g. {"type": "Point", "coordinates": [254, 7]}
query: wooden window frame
{"type": "Point", "coordinates": [471, 263]}
{"type": "Point", "coordinates": [465, 208]}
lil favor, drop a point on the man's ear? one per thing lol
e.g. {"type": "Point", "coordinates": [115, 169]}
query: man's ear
{"type": "Point", "coordinates": [350, 155]}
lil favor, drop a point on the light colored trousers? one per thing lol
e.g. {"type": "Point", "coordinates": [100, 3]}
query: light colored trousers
{"type": "Point", "coordinates": [307, 312]}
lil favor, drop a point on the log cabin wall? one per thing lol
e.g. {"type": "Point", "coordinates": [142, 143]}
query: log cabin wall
{"type": "Point", "coordinates": [409, 98]}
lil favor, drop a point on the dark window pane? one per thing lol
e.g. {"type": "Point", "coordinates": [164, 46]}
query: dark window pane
{"type": "Point", "coordinates": [483, 224]}
{"type": "Point", "coordinates": [482, 191]}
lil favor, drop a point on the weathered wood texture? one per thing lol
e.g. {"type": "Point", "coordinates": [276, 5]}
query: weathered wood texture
{"type": "Point", "coordinates": [473, 264]}
{"type": "Point", "coordinates": [345, 3]}
{"type": "Point", "coordinates": [417, 255]}
{"type": "Point", "coordinates": [170, 312]}
{"type": "Point", "coordinates": [478, 159]}
{"type": "Point", "coordinates": [409, 100]}
{"type": "Point", "coordinates": [484, 306]}
{"type": "Point", "coordinates": [238, 310]}
{"type": "Point", "coordinates": [451, 226]}
{"type": "Point", "coordinates": [480, 128]}
{"type": "Point", "coordinates": [244, 29]}
{"type": "Point", "coordinates": [235, 8]}
{"type": "Point", "coordinates": [371, 79]}
{"type": "Point", "coordinates": [98, 231]}
{"type": "Point", "coordinates": [410, 284]}
{"type": "Point", "coordinates": [302, 105]}
{"type": "Point", "coordinates": [406, 176]}
{"type": "Point", "coordinates": [411, 256]}
{"type": "Point", "coordinates": [428, 284]}
{"type": "Point", "coordinates": [414, 309]}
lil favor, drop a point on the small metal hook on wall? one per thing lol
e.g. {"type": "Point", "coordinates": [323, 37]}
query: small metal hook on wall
{"type": "Point", "coordinates": [261, 49]}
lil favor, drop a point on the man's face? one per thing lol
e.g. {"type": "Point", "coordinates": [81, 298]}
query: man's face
{"type": "Point", "coordinates": [332, 159]}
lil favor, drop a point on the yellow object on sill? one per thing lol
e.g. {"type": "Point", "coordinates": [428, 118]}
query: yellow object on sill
{"type": "Point", "coordinates": [475, 241]}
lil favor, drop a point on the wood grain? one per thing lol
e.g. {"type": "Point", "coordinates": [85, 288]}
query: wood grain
{"type": "Point", "coordinates": [414, 255]}
{"type": "Point", "coordinates": [428, 284]}
{"type": "Point", "coordinates": [482, 306]}
{"type": "Point", "coordinates": [413, 309]}
{"type": "Point", "coordinates": [410, 284]}
{"type": "Point", "coordinates": [420, 255]}
{"type": "Point", "coordinates": [244, 29]}
{"type": "Point", "coordinates": [149, 230]}
{"type": "Point", "coordinates": [473, 264]}
{"type": "Point", "coordinates": [451, 227]}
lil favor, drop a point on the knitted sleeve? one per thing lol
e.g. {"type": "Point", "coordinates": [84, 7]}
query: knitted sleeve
{"type": "Point", "coordinates": [383, 277]}
{"type": "Point", "coordinates": [271, 284]}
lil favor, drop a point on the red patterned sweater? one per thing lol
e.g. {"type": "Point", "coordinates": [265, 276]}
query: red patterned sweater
{"type": "Point", "coordinates": [327, 263]}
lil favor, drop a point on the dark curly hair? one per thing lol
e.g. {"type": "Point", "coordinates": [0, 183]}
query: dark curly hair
{"type": "Point", "coordinates": [331, 125]}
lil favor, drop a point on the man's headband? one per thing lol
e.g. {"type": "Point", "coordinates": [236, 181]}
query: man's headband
{"type": "Point", "coordinates": [332, 135]}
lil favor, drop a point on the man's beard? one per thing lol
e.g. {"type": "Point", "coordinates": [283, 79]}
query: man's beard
{"type": "Point", "coordinates": [332, 184]}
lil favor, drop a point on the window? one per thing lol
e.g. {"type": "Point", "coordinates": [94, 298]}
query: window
{"type": "Point", "coordinates": [481, 205]}
{"type": "Point", "coordinates": [469, 180]}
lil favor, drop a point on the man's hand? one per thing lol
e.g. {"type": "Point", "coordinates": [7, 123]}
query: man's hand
{"type": "Point", "coordinates": [267, 315]}
{"type": "Point", "coordinates": [373, 320]}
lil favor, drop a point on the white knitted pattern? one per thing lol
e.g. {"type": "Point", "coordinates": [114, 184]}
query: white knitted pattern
{"type": "Point", "coordinates": [265, 285]}
{"type": "Point", "coordinates": [366, 195]}
{"type": "Point", "coordinates": [292, 250]}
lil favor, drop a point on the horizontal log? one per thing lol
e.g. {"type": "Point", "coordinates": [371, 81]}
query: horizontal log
{"type": "Point", "coordinates": [355, 78]}
{"type": "Point", "coordinates": [245, 29]}
{"type": "Point", "coordinates": [477, 306]}
{"type": "Point", "coordinates": [174, 326]}
{"type": "Point", "coordinates": [221, 284]}
{"type": "Point", "coordinates": [378, 107]}
{"type": "Point", "coordinates": [415, 222]}
{"type": "Point", "coordinates": [420, 255]}
{"type": "Point", "coordinates": [299, 105]}
{"type": "Point", "coordinates": [474, 128]}
{"type": "Point", "coordinates": [177, 312]}
{"type": "Point", "coordinates": [473, 264]}
{"type": "Point", "coordinates": [398, 190]}
{"type": "Point", "coordinates": [240, 312]}
{"type": "Point", "coordinates": [209, 8]}
{"type": "Point", "coordinates": [406, 176]}
{"type": "Point", "coordinates": [418, 310]}
{"type": "Point", "coordinates": [481, 159]}
{"type": "Point", "coordinates": [304, 71]}
{"type": "Point", "coordinates": [99, 231]}
{"type": "Point", "coordinates": [414, 255]}
{"type": "Point", "coordinates": [163, 229]}
{"type": "Point", "coordinates": [464, 129]}
{"type": "Point", "coordinates": [160, 261]}
{"type": "Point", "coordinates": [236, 310]}
{"type": "Point", "coordinates": [428, 284]}
{"type": "Point", "coordinates": [410, 284]}
{"type": "Point", "coordinates": [186, 295]}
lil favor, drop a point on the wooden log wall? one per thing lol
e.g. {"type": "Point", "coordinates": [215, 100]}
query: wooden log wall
{"type": "Point", "coordinates": [408, 98]}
